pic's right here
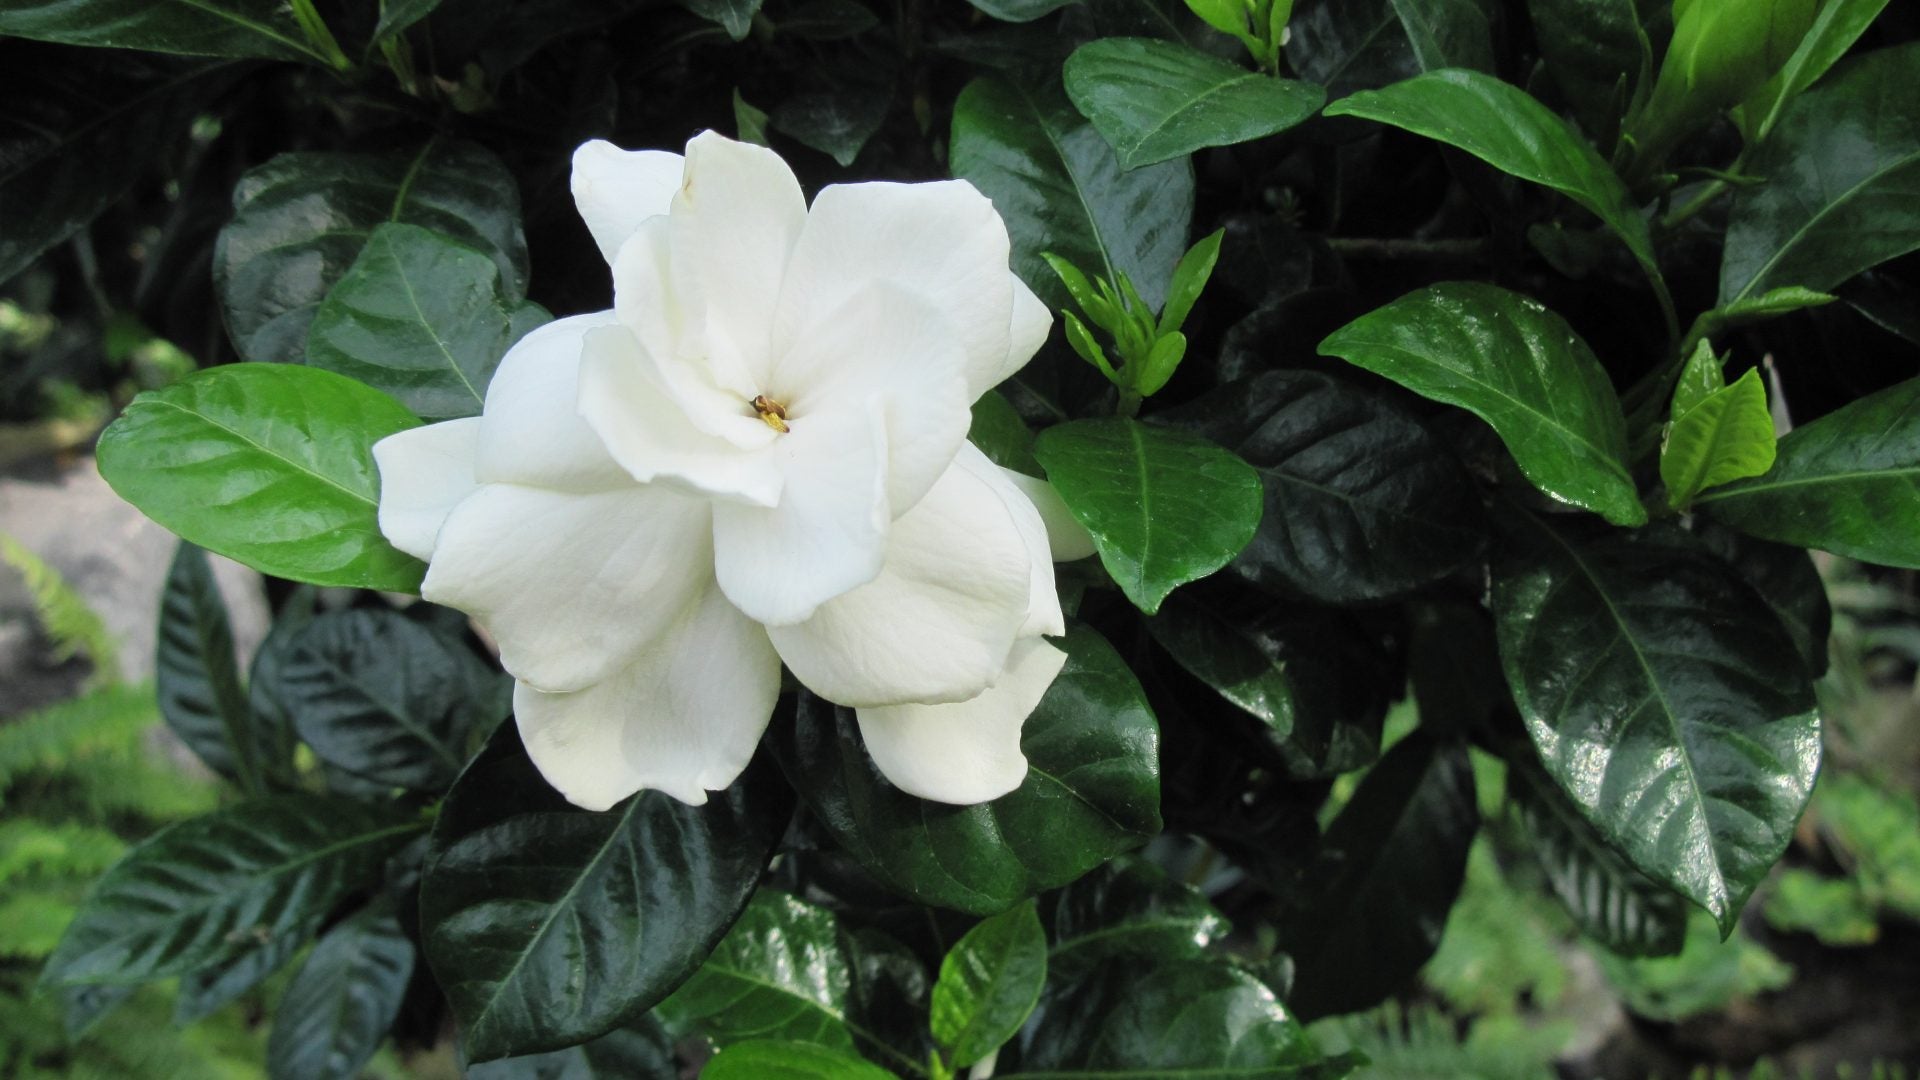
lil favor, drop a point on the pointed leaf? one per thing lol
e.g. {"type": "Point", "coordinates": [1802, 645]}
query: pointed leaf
{"type": "Point", "coordinates": [1690, 748]}
{"type": "Point", "coordinates": [778, 1059]}
{"type": "Point", "coordinates": [336, 1011]}
{"type": "Point", "coordinates": [1836, 26]}
{"type": "Point", "coordinates": [268, 464]}
{"type": "Point", "coordinates": [1700, 378]}
{"type": "Point", "coordinates": [1163, 507]}
{"type": "Point", "coordinates": [1519, 367]}
{"type": "Point", "coordinates": [989, 983]}
{"type": "Point", "coordinates": [1726, 436]}
{"type": "Point", "coordinates": [1597, 52]}
{"type": "Point", "coordinates": [1348, 45]}
{"type": "Point", "coordinates": [1129, 907]}
{"type": "Point", "coordinates": [204, 992]}
{"type": "Point", "coordinates": [238, 28]}
{"type": "Point", "coordinates": [195, 672]}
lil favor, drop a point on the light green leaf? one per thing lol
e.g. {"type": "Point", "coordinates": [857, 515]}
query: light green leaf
{"type": "Point", "coordinates": [989, 983]}
{"type": "Point", "coordinates": [1780, 301]}
{"type": "Point", "coordinates": [1836, 26]}
{"type": "Point", "coordinates": [785, 1059]}
{"type": "Point", "coordinates": [1700, 378]}
{"type": "Point", "coordinates": [1726, 436]}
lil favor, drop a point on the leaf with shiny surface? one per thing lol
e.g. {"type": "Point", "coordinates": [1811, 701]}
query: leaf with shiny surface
{"type": "Point", "coordinates": [1348, 45]}
{"type": "Point", "coordinates": [1163, 507]}
{"type": "Point", "coordinates": [777, 1059]}
{"type": "Point", "coordinates": [1726, 436]}
{"type": "Point", "coordinates": [549, 925]}
{"type": "Point", "coordinates": [1129, 908]}
{"type": "Point", "coordinates": [196, 677]}
{"type": "Point", "coordinates": [236, 28]}
{"type": "Point", "coordinates": [270, 465]}
{"type": "Point", "coordinates": [1158, 100]}
{"type": "Point", "coordinates": [1598, 54]}
{"type": "Point", "coordinates": [301, 220]}
{"type": "Point", "coordinates": [1362, 502]}
{"type": "Point", "coordinates": [1689, 746]}
{"type": "Point", "coordinates": [782, 972]}
{"type": "Point", "coordinates": [1062, 189]}
{"type": "Point", "coordinates": [1521, 368]}
{"type": "Point", "coordinates": [336, 1011]}
{"type": "Point", "coordinates": [419, 316]}
{"type": "Point", "coordinates": [1836, 26]}
{"type": "Point", "coordinates": [1092, 791]}
{"type": "Point", "coordinates": [210, 889]}
{"type": "Point", "coordinates": [1848, 483]}
{"type": "Point", "coordinates": [989, 983]}
{"type": "Point", "coordinates": [1843, 182]}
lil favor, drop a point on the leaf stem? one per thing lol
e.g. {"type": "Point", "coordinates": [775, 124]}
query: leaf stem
{"type": "Point", "coordinates": [319, 36]}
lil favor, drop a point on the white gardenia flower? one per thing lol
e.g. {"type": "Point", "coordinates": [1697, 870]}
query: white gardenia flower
{"type": "Point", "coordinates": [759, 455]}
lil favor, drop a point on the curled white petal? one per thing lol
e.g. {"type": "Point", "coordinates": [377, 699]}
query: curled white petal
{"type": "Point", "coordinates": [1066, 537]}
{"type": "Point", "coordinates": [683, 717]}
{"type": "Point", "coordinates": [531, 431]}
{"type": "Point", "coordinates": [615, 190]}
{"type": "Point", "coordinates": [968, 751]}
{"type": "Point", "coordinates": [1043, 596]}
{"type": "Point", "coordinates": [424, 473]}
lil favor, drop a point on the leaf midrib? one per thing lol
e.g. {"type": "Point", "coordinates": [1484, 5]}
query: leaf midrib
{"type": "Point", "coordinates": [1794, 239]}
{"type": "Point", "coordinates": [289, 462]}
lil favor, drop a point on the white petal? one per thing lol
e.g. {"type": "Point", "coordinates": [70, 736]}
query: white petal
{"type": "Point", "coordinates": [969, 751]}
{"type": "Point", "coordinates": [1066, 537]}
{"type": "Point", "coordinates": [937, 623]}
{"type": "Point", "coordinates": [664, 303]}
{"type": "Point", "coordinates": [424, 473]}
{"type": "Point", "coordinates": [645, 426]}
{"type": "Point", "coordinates": [683, 717]}
{"type": "Point", "coordinates": [1031, 323]}
{"type": "Point", "coordinates": [1043, 596]}
{"type": "Point", "coordinates": [617, 189]}
{"type": "Point", "coordinates": [942, 241]}
{"type": "Point", "coordinates": [570, 585]}
{"type": "Point", "coordinates": [886, 344]}
{"type": "Point", "coordinates": [734, 223]}
{"type": "Point", "coordinates": [531, 431]}
{"type": "Point", "coordinates": [828, 534]}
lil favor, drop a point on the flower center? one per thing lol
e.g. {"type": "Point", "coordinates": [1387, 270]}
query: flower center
{"type": "Point", "coordinates": [772, 413]}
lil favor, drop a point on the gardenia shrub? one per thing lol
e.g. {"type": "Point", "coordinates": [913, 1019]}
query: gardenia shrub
{"type": "Point", "coordinates": [930, 604]}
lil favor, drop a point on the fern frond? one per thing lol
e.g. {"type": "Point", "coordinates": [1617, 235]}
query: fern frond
{"type": "Point", "coordinates": [57, 737]}
{"type": "Point", "coordinates": [32, 920]}
{"type": "Point", "coordinates": [74, 627]}
{"type": "Point", "coordinates": [30, 847]}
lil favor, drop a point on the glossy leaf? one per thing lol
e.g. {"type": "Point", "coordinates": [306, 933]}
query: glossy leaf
{"type": "Point", "coordinates": [1362, 502]}
{"type": "Point", "coordinates": [641, 1049]}
{"type": "Point", "coordinates": [1020, 11]}
{"type": "Point", "coordinates": [301, 220]}
{"type": "Point", "coordinates": [1848, 483]}
{"type": "Point", "coordinates": [989, 983]}
{"type": "Point", "coordinates": [1727, 435]}
{"type": "Point", "coordinates": [195, 673]}
{"type": "Point", "coordinates": [1129, 908]}
{"type": "Point", "coordinates": [1377, 893]}
{"type": "Point", "coordinates": [1780, 301]}
{"type": "Point", "coordinates": [418, 316]}
{"type": "Point", "coordinates": [207, 890]}
{"type": "Point", "coordinates": [1598, 54]}
{"type": "Point", "coordinates": [776, 1059]}
{"type": "Point", "coordinates": [1179, 1019]}
{"type": "Point", "coordinates": [237, 28]}
{"type": "Point", "coordinates": [388, 699]}
{"type": "Point", "coordinates": [1519, 367]}
{"type": "Point", "coordinates": [1836, 26]}
{"type": "Point", "coordinates": [270, 465]}
{"type": "Point", "coordinates": [549, 925]}
{"type": "Point", "coordinates": [1002, 435]}
{"type": "Point", "coordinates": [126, 110]}
{"type": "Point", "coordinates": [1786, 578]}
{"type": "Point", "coordinates": [1155, 100]}
{"type": "Point", "coordinates": [1092, 791]}
{"type": "Point", "coordinates": [1692, 750]}
{"type": "Point", "coordinates": [734, 16]}
{"type": "Point", "coordinates": [838, 120]}
{"type": "Point", "coordinates": [1062, 189]}
{"type": "Point", "coordinates": [1609, 900]}
{"type": "Point", "coordinates": [1163, 507]}
{"type": "Point", "coordinates": [1505, 127]}
{"type": "Point", "coordinates": [1843, 182]}
{"type": "Point", "coordinates": [1348, 45]}
{"type": "Point", "coordinates": [338, 1007]}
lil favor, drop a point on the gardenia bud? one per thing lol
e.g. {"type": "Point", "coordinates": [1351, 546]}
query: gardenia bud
{"type": "Point", "coordinates": [1723, 50]}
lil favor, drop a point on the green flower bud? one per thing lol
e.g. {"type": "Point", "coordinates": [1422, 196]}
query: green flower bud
{"type": "Point", "coordinates": [1723, 50]}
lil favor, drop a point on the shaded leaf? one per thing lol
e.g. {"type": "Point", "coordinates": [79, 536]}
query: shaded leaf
{"type": "Point", "coordinates": [336, 1011]}
{"type": "Point", "coordinates": [641, 1049]}
{"type": "Point", "coordinates": [237, 28]}
{"type": "Point", "coordinates": [195, 672]}
{"type": "Point", "coordinates": [1129, 908]}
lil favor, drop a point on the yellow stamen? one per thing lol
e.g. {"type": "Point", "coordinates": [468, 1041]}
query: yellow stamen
{"type": "Point", "coordinates": [772, 413]}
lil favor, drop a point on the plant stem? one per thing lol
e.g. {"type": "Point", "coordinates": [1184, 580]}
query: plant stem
{"type": "Point", "coordinates": [319, 36]}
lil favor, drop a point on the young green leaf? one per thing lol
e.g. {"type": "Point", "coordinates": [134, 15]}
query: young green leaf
{"type": "Point", "coordinates": [1700, 379]}
{"type": "Point", "coordinates": [1163, 507]}
{"type": "Point", "coordinates": [989, 983]}
{"type": "Point", "coordinates": [1780, 301]}
{"type": "Point", "coordinates": [1836, 26]}
{"type": "Point", "coordinates": [1196, 266]}
{"type": "Point", "coordinates": [1154, 100]}
{"type": "Point", "coordinates": [786, 1059]}
{"type": "Point", "coordinates": [268, 464]}
{"type": "Point", "coordinates": [1099, 308]}
{"type": "Point", "coordinates": [1087, 346]}
{"type": "Point", "coordinates": [1725, 436]}
{"type": "Point", "coordinates": [1161, 362]}
{"type": "Point", "coordinates": [1519, 367]}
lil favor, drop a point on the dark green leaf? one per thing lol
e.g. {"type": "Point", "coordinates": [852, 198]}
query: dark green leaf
{"type": "Point", "coordinates": [207, 890]}
{"type": "Point", "coordinates": [1609, 900]}
{"type": "Point", "coordinates": [837, 121]}
{"type": "Point", "coordinates": [782, 972]}
{"type": "Point", "coordinates": [1348, 45]}
{"type": "Point", "coordinates": [1163, 507]}
{"type": "Point", "coordinates": [642, 1049]}
{"type": "Point", "coordinates": [239, 28]}
{"type": "Point", "coordinates": [549, 925]}
{"type": "Point", "coordinates": [1158, 100]}
{"type": "Point", "coordinates": [1519, 367]}
{"type": "Point", "coordinates": [272, 724]}
{"type": "Point", "coordinates": [387, 698]}
{"type": "Point", "coordinates": [1843, 182]}
{"type": "Point", "coordinates": [1848, 483]}
{"type": "Point", "coordinates": [267, 464]}
{"type": "Point", "coordinates": [1172, 1020]}
{"type": "Point", "coordinates": [1062, 189]}
{"type": "Point", "coordinates": [1002, 435]}
{"type": "Point", "coordinates": [53, 140]}
{"type": "Point", "coordinates": [1787, 579]}
{"type": "Point", "coordinates": [397, 15]}
{"type": "Point", "coordinates": [1362, 502]}
{"type": "Point", "coordinates": [1727, 435]}
{"type": "Point", "coordinates": [1505, 127]}
{"type": "Point", "coordinates": [1664, 698]}
{"type": "Point", "coordinates": [1129, 908]}
{"type": "Point", "coordinates": [734, 16]}
{"type": "Point", "coordinates": [828, 20]}
{"type": "Point", "coordinates": [194, 672]}
{"type": "Point", "coordinates": [204, 992]}
{"type": "Point", "coordinates": [1376, 896]}
{"type": "Point", "coordinates": [418, 316]}
{"type": "Point", "coordinates": [301, 220]}
{"type": "Point", "coordinates": [774, 1059]}
{"type": "Point", "coordinates": [338, 1007]}
{"type": "Point", "coordinates": [1598, 54]}
{"type": "Point", "coordinates": [1092, 791]}
{"type": "Point", "coordinates": [1020, 11]}
{"type": "Point", "coordinates": [989, 983]}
